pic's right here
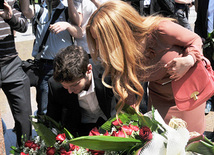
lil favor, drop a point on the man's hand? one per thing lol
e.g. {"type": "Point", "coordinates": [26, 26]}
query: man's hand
{"type": "Point", "coordinates": [58, 27]}
{"type": "Point", "coordinates": [74, 30]}
{"type": "Point", "coordinates": [7, 13]}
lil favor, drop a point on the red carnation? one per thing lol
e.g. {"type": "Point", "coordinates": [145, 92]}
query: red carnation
{"type": "Point", "coordinates": [117, 122]}
{"type": "Point", "coordinates": [29, 143]}
{"type": "Point", "coordinates": [34, 146]}
{"type": "Point", "coordinates": [145, 133]}
{"type": "Point", "coordinates": [60, 137]}
{"type": "Point", "coordinates": [135, 128]}
{"type": "Point", "coordinates": [64, 152]}
{"type": "Point", "coordinates": [50, 151]}
{"type": "Point", "coordinates": [22, 153]}
{"type": "Point", "coordinates": [72, 147]}
{"type": "Point", "coordinates": [94, 132]}
{"type": "Point", "coordinates": [97, 152]}
{"type": "Point", "coordinates": [118, 134]}
{"type": "Point", "coordinates": [106, 134]}
{"type": "Point", "coordinates": [127, 129]}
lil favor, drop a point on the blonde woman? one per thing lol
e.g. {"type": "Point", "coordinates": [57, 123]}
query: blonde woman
{"type": "Point", "coordinates": [134, 49]}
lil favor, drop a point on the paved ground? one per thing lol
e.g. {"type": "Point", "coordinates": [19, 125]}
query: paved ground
{"type": "Point", "coordinates": [24, 44]}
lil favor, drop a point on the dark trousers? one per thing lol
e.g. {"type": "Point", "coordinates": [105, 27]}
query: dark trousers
{"type": "Point", "coordinates": [45, 72]}
{"type": "Point", "coordinates": [16, 86]}
{"type": "Point", "coordinates": [208, 53]}
{"type": "Point", "coordinates": [182, 19]}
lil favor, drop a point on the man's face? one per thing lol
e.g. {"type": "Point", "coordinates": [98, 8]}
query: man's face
{"type": "Point", "coordinates": [75, 87]}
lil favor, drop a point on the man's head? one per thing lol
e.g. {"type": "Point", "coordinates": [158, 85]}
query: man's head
{"type": "Point", "coordinates": [72, 69]}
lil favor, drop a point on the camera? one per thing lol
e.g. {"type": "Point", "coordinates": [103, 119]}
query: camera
{"type": "Point", "coordinates": [1, 4]}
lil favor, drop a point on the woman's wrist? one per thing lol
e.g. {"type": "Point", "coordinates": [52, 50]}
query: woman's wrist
{"type": "Point", "coordinates": [191, 60]}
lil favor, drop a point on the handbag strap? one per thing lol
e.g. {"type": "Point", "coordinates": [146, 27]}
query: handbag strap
{"type": "Point", "coordinates": [55, 16]}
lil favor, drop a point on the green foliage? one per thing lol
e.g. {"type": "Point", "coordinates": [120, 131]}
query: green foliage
{"type": "Point", "coordinates": [106, 143]}
{"type": "Point", "coordinates": [44, 126]}
{"type": "Point", "coordinates": [111, 143]}
{"type": "Point", "coordinates": [209, 40]}
{"type": "Point", "coordinates": [201, 145]}
{"type": "Point", "coordinates": [45, 133]}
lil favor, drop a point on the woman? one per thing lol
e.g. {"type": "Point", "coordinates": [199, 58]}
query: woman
{"type": "Point", "coordinates": [135, 49]}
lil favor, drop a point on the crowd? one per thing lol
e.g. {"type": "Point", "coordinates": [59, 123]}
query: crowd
{"type": "Point", "coordinates": [95, 56]}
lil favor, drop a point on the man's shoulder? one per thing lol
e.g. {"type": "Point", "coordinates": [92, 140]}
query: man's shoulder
{"type": "Point", "coordinates": [96, 66]}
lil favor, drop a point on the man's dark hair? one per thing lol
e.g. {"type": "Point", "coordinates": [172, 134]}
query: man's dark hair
{"type": "Point", "coordinates": [70, 64]}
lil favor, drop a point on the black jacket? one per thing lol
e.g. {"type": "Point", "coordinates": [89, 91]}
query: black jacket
{"type": "Point", "coordinates": [64, 107]}
{"type": "Point", "coordinates": [201, 20]}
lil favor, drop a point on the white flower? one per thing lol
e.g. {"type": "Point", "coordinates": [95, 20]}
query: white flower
{"type": "Point", "coordinates": [173, 143]}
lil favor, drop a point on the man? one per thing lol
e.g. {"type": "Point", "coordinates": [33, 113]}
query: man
{"type": "Point", "coordinates": [58, 39]}
{"type": "Point", "coordinates": [77, 98]}
{"type": "Point", "coordinates": [204, 24]}
{"type": "Point", "coordinates": [86, 8]}
{"type": "Point", "coordinates": [151, 7]}
{"type": "Point", "coordinates": [13, 80]}
{"type": "Point", "coordinates": [182, 11]}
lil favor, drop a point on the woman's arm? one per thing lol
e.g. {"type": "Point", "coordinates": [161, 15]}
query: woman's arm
{"type": "Point", "coordinates": [176, 35]}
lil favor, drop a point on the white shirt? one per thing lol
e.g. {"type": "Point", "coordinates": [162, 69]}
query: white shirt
{"type": "Point", "coordinates": [86, 8]}
{"type": "Point", "coordinates": [210, 14]}
{"type": "Point", "coordinates": [147, 2]}
{"type": "Point", "coordinates": [90, 108]}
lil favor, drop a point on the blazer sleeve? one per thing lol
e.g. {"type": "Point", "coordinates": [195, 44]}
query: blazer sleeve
{"type": "Point", "coordinates": [63, 107]}
{"type": "Point", "coordinates": [53, 108]}
{"type": "Point", "coordinates": [173, 34]}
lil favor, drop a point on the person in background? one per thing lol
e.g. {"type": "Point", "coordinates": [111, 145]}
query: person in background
{"type": "Point", "coordinates": [86, 8]}
{"type": "Point", "coordinates": [134, 49]}
{"type": "Point", "coordinates": [153, 7]}
{"type": "Point", "coordinates": [204, 25]}
{"type": "Point", "coordinates": [77, 98]}
{"type": "Point", "coordinates": [60, 37]}
{"type": "Point", "coordinates": [13, 80]}
{"type": "Point", "coordinates": [182, 12]}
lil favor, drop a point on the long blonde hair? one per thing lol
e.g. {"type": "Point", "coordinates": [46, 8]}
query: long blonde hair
{"type": "Point", "coordinates": [121, 36]}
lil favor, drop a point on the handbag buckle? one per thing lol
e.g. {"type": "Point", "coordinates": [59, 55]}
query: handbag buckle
{"type": "Point", "coordinates": [194, 95]}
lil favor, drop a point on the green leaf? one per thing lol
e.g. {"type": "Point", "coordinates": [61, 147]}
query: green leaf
{"type": "Point", "coordinates": [106, 143]}
{"type": "Point", "coordinates": [200, 137]}
{"type": "Point", "coordinates": [200, 144]}
{"type": "Point", "coordinates": [45, 133]}
{"type": "Point", "coordinates": [68, 134]}
{"type": "Point", "coordinates": [201, 147]}
{"type": "Point", "coordinates": [124, 117]}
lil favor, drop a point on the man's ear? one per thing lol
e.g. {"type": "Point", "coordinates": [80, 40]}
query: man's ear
{"type": "Point", "coordinates": [152, 54]}
{"type": "Point", "coordinates": [89, 69]}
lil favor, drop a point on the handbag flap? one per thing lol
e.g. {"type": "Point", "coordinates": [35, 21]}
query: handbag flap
{"type": "Point", "coordinates": [192, 83]}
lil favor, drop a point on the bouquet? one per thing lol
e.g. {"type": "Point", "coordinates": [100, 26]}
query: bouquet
{"type": "Point", "coordinates": [130, 133]}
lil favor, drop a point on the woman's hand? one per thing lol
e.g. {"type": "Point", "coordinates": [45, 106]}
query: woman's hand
{"type": "Point", "coordinates": [179, 66]}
